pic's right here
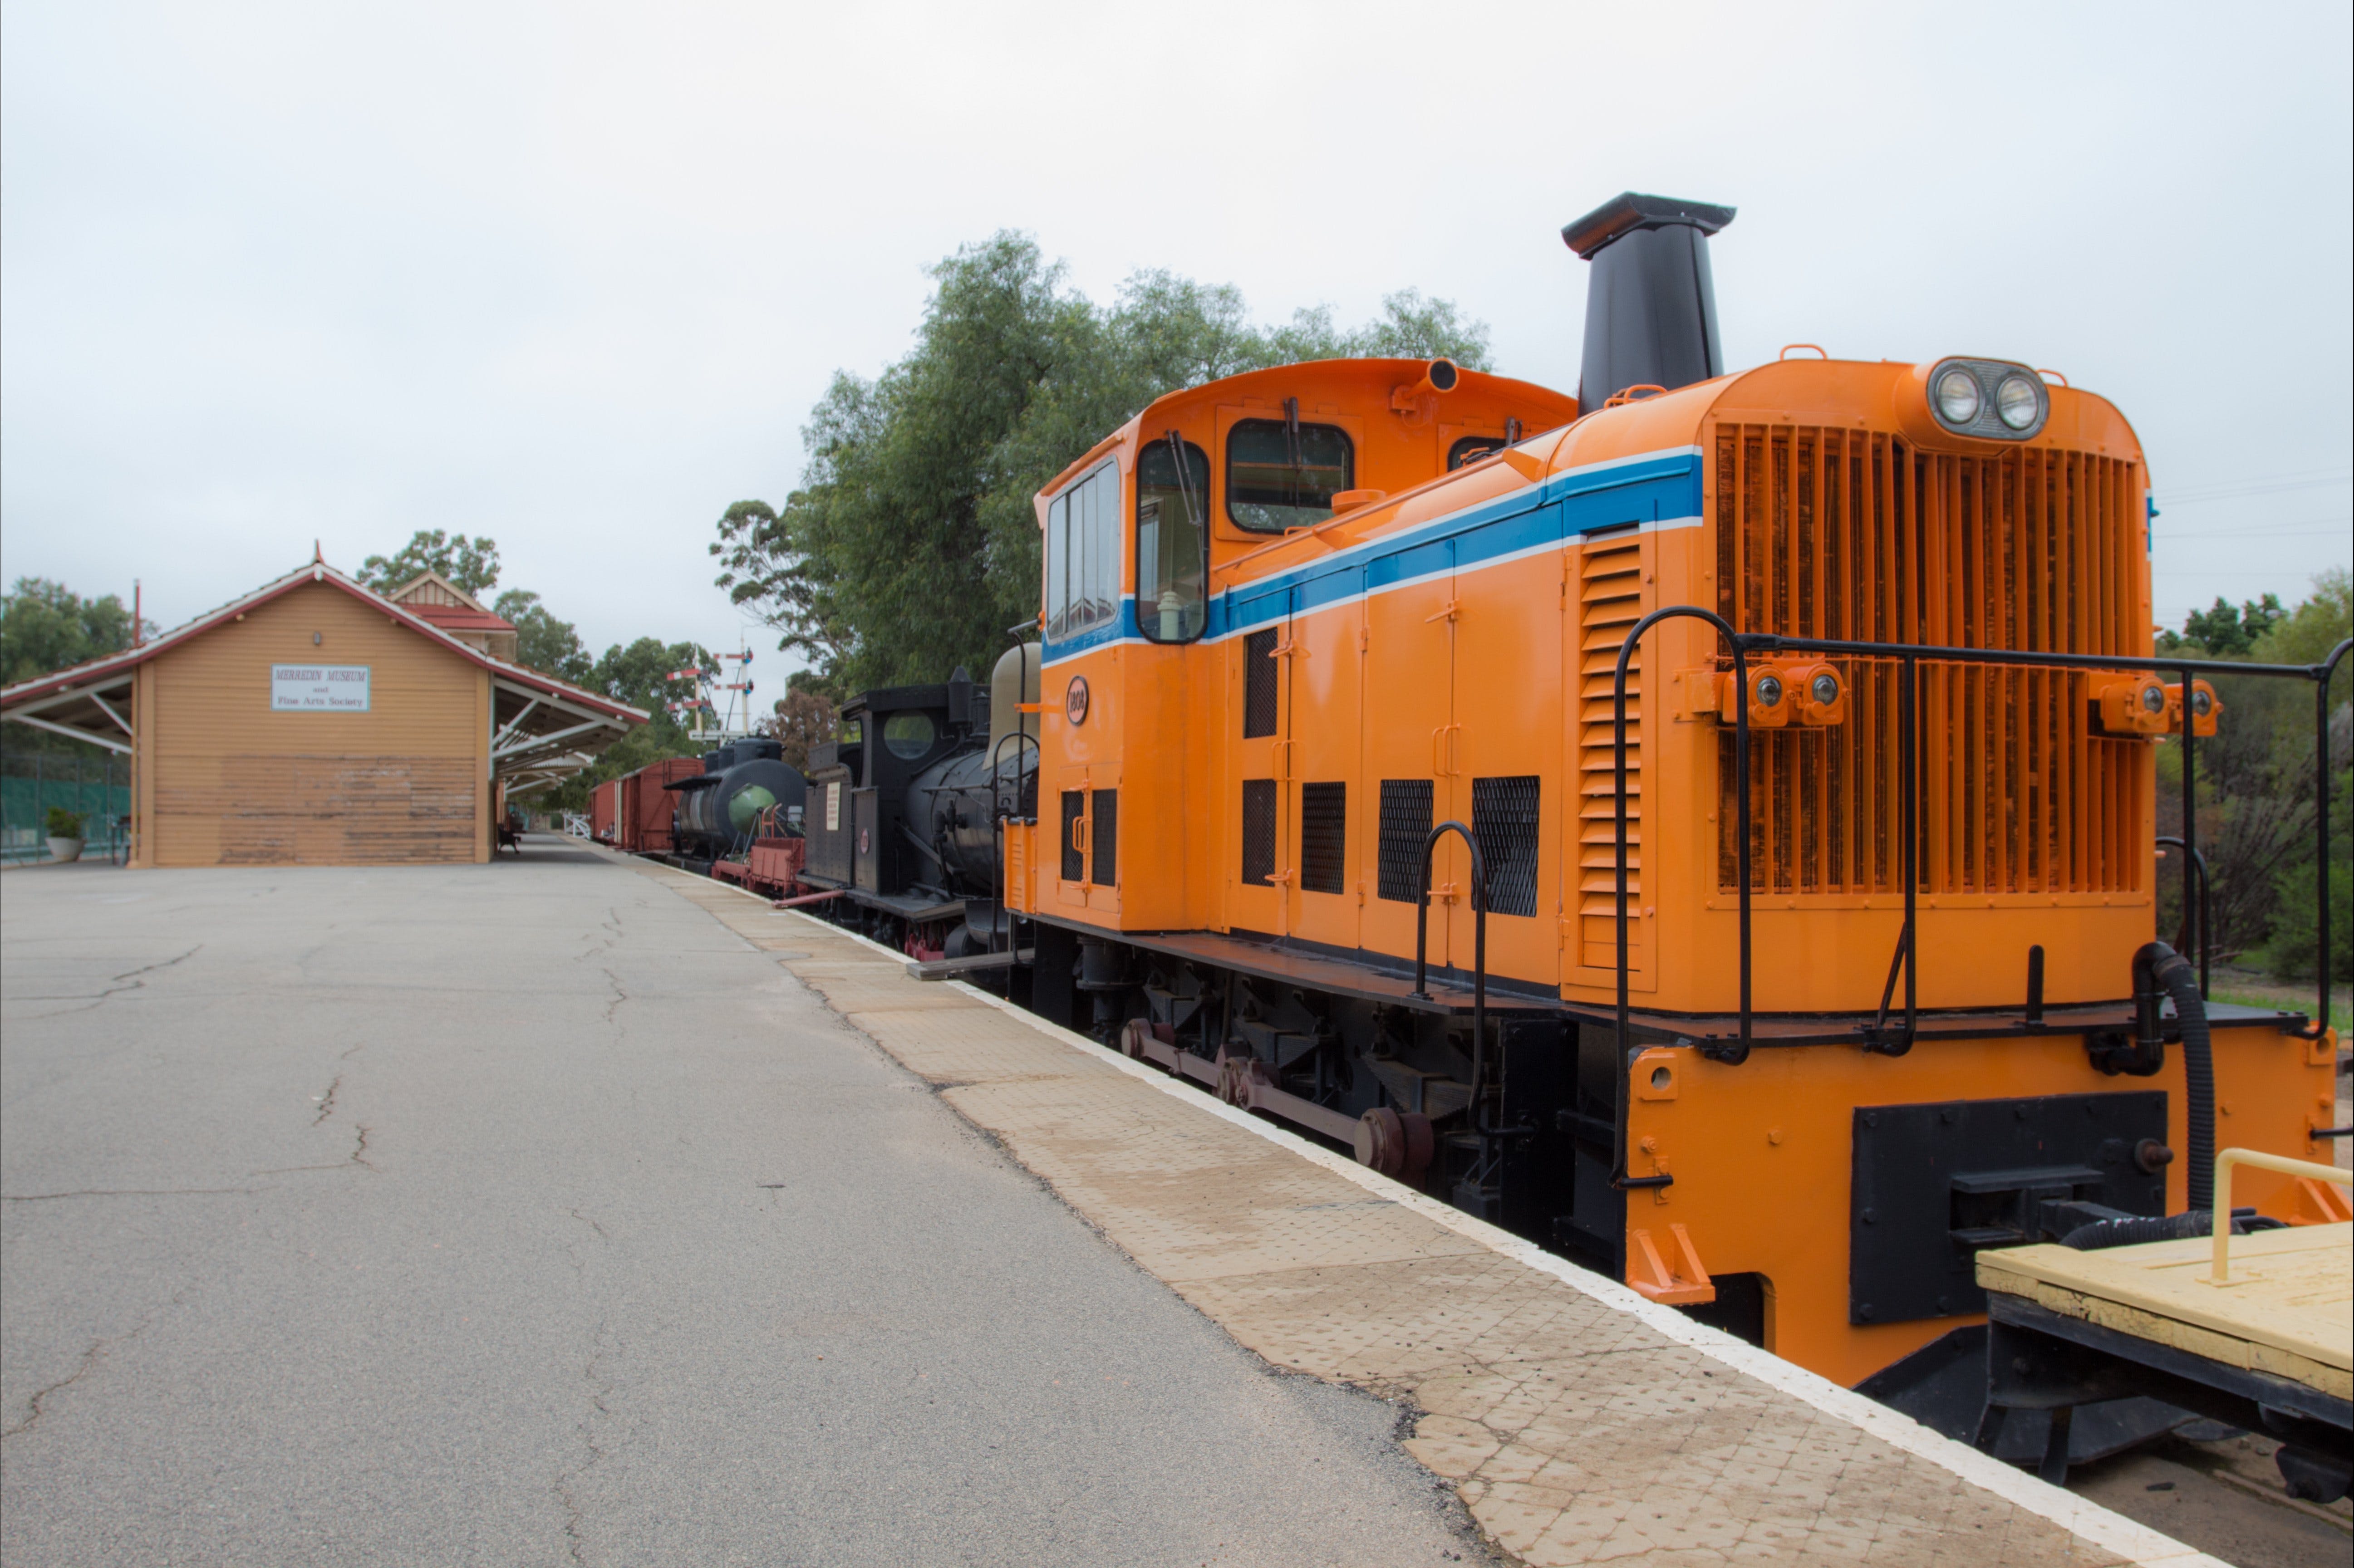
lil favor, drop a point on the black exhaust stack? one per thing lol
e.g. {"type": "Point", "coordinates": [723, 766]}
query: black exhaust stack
{"type": "Point", "coordinates": [1650, 306]}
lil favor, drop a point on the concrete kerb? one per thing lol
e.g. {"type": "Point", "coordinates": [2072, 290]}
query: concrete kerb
{"type": "Point", "coordinates": [2087, 1519]}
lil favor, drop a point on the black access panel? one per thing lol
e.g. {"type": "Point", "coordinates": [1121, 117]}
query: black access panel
{"type": "Point", "coordinates": [828, 825]}
{"type": "Point", "coordinates": [1936, 1185]}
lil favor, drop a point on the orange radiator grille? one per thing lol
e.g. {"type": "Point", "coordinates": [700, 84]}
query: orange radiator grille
{"type": "Point", "coordinates": [1610, 599]}
{"type": "Point", "coordinates": [1854, 536]}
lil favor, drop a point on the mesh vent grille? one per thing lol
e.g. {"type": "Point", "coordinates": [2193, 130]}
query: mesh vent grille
{"type": "Point", "coordinates": [1853, 534]}
{"type": "Point", "coordinates": [1074, 807]}
{"type": "Point", "coordinates": [1103, 839]}
{"type": "Point", "coordinates": [1259, 685]}
{"type": "Point", "coordinates": [1405, 823]}
{"type": "Point", "coordinates": [1323, 837]}
{"type": "Point", "coordinates": [1259, 831]}
{"type": "Point", "coordinates": [1504, 814]}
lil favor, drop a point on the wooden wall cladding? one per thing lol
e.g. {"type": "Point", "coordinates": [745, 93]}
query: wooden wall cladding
{"type": "Point", "coordinates": [238, 784]}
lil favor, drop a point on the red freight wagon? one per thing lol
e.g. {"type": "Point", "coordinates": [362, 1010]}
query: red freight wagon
{"type": "Point", "coordinates": [645, 807]}
{"type": "Point", "coordinates": [604, 810]}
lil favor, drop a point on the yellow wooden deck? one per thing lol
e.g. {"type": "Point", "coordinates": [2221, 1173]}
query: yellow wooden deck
{"type": "Point", "coordinates": [2288, 1309]}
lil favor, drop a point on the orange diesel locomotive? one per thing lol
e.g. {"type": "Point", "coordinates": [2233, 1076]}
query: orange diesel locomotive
{"type": "Point", "coordinates": [1296, 620]}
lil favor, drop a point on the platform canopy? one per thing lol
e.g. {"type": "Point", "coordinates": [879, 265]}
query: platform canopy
{"type": "Point", "coordinates": [542, 730]}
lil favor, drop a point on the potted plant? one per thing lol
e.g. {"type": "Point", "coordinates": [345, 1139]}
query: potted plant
{"type": "Point", "coordinates": [65, 833]}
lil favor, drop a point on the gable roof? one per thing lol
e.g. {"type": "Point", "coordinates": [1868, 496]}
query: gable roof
{"type": "Point", "coordinates": [544, 728]}
{"type": "Point", "coordinates": [415, 589]}
{"type": "Point", "coordinates": [113, 665]}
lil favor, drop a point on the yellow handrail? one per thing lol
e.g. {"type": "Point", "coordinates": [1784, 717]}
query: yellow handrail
{"type": "Point", "coordinates": [2280, 1162]}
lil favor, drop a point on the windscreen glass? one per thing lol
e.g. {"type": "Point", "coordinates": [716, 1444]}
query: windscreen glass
{"type": "Point", "coordinates": [1083, 555]}
{"type": "Point", "coordinates": [1172, 541]}
{"type": "Point", "coordinates": [1281, 474]}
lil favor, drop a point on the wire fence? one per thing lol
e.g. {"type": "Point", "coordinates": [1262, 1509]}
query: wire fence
{"type": "Point", "coordinates": [95, 788]}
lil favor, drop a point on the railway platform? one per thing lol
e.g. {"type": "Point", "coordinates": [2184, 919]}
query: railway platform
{"type": "Point", "coordinates": [1578, 1422]}
{"type": "Point", "coordinates": [573, 1209]}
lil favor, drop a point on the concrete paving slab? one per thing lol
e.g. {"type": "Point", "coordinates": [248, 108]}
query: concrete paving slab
{"type": "Point", "coordinates": [1579, 1422]}
{"type": "Point", "coordinates": [520, 1214]}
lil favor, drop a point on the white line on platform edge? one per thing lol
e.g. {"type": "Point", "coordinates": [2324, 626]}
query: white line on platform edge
{"type": "Point", "coordinates": [2102, 1527]}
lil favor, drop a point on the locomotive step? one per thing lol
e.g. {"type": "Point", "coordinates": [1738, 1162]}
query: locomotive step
{"type": "Point", "coordinates": [950, 969]}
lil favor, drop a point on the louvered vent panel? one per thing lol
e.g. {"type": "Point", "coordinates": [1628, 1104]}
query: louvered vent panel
{"type": "Point", "coordinates": [1259, 831]}
{"type": "Point", "coordinates": [1405, 823]}
{"type": "Point", "coordinates": [1611, 598]}
{"type": "Point", "coordinates": [1851, 534]}
{"type": "Point", "coordinates": [1324, 837]}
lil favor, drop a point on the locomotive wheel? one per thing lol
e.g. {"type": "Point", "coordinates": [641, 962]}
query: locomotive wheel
{"type": "Point", "coordinates": [1419, 1144]}
{"type": "Point", "coordinates": [1395, 1143]}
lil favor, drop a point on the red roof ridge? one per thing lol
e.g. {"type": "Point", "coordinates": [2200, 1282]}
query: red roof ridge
{"type": "Point", "coordinates": [459, 615]}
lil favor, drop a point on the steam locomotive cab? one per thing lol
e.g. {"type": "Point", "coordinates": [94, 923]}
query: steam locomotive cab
{"type": "Point", "coordinates": [906, 803]}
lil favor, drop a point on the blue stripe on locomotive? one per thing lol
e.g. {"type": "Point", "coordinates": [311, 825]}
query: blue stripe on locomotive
{"type": "Point", "coordinates": [1651, 489]}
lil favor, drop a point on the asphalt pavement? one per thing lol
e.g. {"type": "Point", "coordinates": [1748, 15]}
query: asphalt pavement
{"type": "Point", "coordinates": [523, 1213]}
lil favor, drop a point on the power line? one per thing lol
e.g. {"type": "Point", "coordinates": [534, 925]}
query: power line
{"type": "Point", "coordinates": [2322, 528]}
{"type": "Point", "coordinates": [2206, 575]}
{"type": "Point", "coordinates": [2270, 484]}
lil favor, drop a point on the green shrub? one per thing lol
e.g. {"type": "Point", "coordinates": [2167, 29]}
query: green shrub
{"type": "Point", "coordinates": [2294, 921]}
{"type": "Point", "coordinates": [2290, 953]}
{"type": "Point", "coordinates": [64, 824]}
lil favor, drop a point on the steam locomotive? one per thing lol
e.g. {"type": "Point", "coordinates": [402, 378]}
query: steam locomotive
{"type": "Point", "coordinates": [905, 806]}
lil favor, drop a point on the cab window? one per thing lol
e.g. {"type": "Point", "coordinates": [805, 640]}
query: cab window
{"type": "Point", "coordinates": [1471, 449]}
{"type": "Point", "coordinates": [1173, 540]}
{"type": "Point", "coordinates": [908, 735]}
{"type": "Point", "coordinates": [1283, 474]}
{"type": "Point", "coordinates": [1083, 554]}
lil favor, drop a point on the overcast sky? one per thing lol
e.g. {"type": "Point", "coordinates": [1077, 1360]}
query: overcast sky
{"type": "Point", "coordinates": [573, 275]}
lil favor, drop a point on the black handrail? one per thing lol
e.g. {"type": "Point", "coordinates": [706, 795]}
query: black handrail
{"type": "Point", "coordinates": [997, 756]}
{"type": "Point", "coordinates": [1478, 948]}
{"type": "Point", "coordinates": [2190, 817]}
{"type": "Point", "coordinates": [2323, 674]}
{"type": "Point", "coordinates": [1741, 790]}
{"type": "Point", "coordinates": [1911, 655]}
{"type": "Point", "coordinates": [1479, 926]}
{"type": "Point", "coordinates": [1776, 642]}
{"type": "Point", "coordinates": [2195, 865]}
{"type": "Point", "coordinates": [1004, 888]}
{"type": "Point", "coordinates": [1908, 827]}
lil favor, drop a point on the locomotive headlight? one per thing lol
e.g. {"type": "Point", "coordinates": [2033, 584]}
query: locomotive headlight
{"type": "Point", "coordinates": [1957, 396]}
{"type": "Point", "coordinates": [1826, 688]}
{"type": "Point", "coordinates": [1769, 691]}
{"type": "Point", "coordinates": [2016, 402]}
{"type": "Point", "coordinates": [2153, 699]}
{"type": "Point", "coordinates": [2202, 702]}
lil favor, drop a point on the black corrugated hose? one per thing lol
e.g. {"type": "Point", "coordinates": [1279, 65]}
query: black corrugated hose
{"type": "Point", "coordinates": [2159, 968]}
{"type": "Point", "coordinates": [2142, 1228]}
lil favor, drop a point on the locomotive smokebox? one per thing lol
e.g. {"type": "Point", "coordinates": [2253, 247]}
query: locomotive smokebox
{"type": "Point", "coordinates": [1651, 305]}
